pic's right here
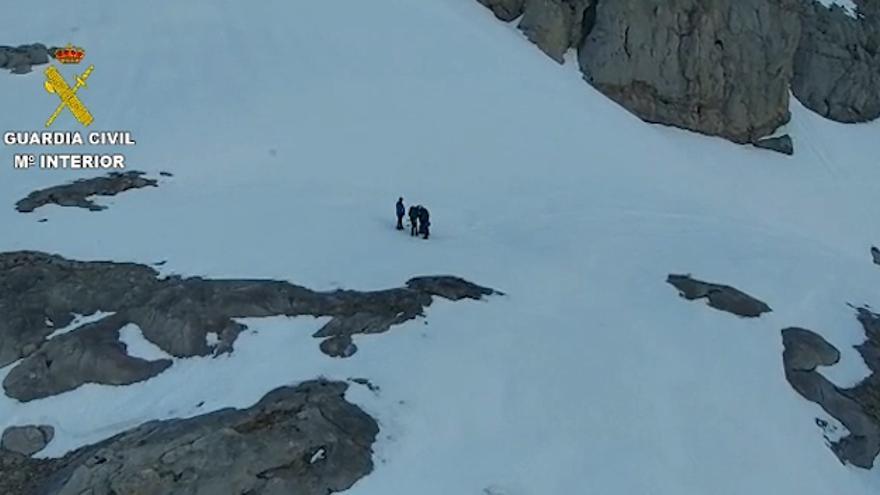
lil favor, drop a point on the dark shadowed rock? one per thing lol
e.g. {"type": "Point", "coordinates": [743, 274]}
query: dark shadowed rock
{"type": "Point", "coordinates": [837, 63]}
{"type": "Point", "coordinates": [21, 59]}
{"type": "Point", "coordinates": [306, 440]}
{"type": "Point", "coordinates": [40, 293]}
{"type": "Point", "coordinates": [722, 297]}
{"type": "Point", "coordinates": [27, 440]}
{"type": "Point", "coordinates": [804, 352]}
{"type": "Point", "coordinates": [448, 287]}
{"type": "Point", "coordinates": [875, 255]}
{"type": "Point", "coordinates": [719, 67]}
{"type": "Point", "coordinates": [77, 193]}
{"type": "Point", "coordinates": [555, 25]}
{"type": "Point", "coordinates": [90, 354]}
{"type": "Point", "coordinates": [781, 144]}
{"type": "Point", "coordinates": [340, 346]}
{"type": "Point", "coordinates": [506, 10]}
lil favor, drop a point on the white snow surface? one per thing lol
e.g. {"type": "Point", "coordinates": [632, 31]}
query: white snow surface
{"type": "Point", "coordinates": [848, 5]}
{"type": "Point", "coordinates": [292, 127]}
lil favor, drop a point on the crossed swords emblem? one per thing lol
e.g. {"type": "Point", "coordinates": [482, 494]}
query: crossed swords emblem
{"type": "Point", "coordinates": [56, 84]}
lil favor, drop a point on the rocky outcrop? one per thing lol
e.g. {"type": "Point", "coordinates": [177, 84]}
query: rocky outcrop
{"type": "Point", "coordinates": [720, 67]}
{"type": "Point", "coordinates": [307, 440]}
{"type": "Point", "coordinates": [21, 59]}
{"type": "Point", "coordinates": [721, 297]}
{"type": "Point", "coordinates": [506, 10]}
{"type": "Point", "coordinates": [40, 293]}
{"type": "Point", "coordinates": [26, 440]}
{"type": "Point", "coordinates": [875, 255]}
{"type": "Point", "coordinates": [837, 63]}
{"type": "Point", "coordinates": [781, 144]}
{"type": "Point", "coordinates": [90, 354]}
{"type": "Point", "coordinates": [77, 193]}
{"type": "Point", "coordinates": [557, 25]}
{"type": "Point", "coordinates": [804, 352]}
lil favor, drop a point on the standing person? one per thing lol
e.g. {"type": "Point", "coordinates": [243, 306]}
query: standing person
{"type": "Point", "coordinates": [400, 211]}
{"type": "Point", "coordinates": [413, 220]}
{"type": "Point", "coordinates": [424, 221]}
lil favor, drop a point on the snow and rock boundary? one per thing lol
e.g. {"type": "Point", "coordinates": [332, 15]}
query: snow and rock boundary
{"type": "Point", "coordinates": [184, 317]}
{"type": "Point", "coordinates": [305, 439]}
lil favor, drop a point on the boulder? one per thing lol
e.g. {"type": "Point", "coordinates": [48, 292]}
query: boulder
{"type": "Point", "coordinates": [27, 440]}
{"type": "Point", "coordinates": [781, 144]}
{"type": "Point", "coordinates": [719, 67]}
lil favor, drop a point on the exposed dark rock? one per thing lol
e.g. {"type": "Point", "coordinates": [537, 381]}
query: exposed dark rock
{"type": "Point", "coordinates": [506, 10]}
{"type": "Point", "coordinates": [27, 440]}
{"type": "Point", "coordinates": [90, 354]}
{"type": "Point", "coordinates": [804, 352]}
{"type": "Point", "coordinates": [720, 67]}
{"type": "Point", "coordinates": [340, 346]}
{"type": "Point", "coordinates": [782, 144]}
{"type": "Point", "coordinates": [77, 193]}
{"type": "Point", "coordinates": [837, 63]}
{"type": "Point", "coordinates": [875, 255]}
{"type": "Point", "coordinates": [555, 25]}
{"type": "Point", "coordinates": [722, 297]}
{"type": "Point", "coordinates": [40, 293]}
{"type": "Point", "coordinates": [448, 287]}
{"type": "Point", "coordinates": [21, 59]}
{"type": "Point", "coordinates": [307, 440]}
{"type": "Point", "coordinates": [367, 383]}
{"type": "Point", "coordinates": [166, 174]}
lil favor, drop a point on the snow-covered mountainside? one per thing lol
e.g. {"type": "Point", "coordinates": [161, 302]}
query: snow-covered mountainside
{"type": "Point", "coordinates": [291, 128]}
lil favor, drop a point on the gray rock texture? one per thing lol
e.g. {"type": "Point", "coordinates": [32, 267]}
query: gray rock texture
{"type": "Point", "coordinates": [721, 297]}
{"type": "Point", "coordinates": [306, 440]}
{"type": "Point", "coordinates": [837, 63]}
{"type": "Point", "coordinates": [719, 67]}
{"type": "Point", "coordinates": [506, 10]}
{"type": "Point", "coordinates": [804, 352]}
{"type": "Point", "coordinates": [557, 25]}
{"type": "Point", "coordinates": [40, 293]}
{"type": "Point", "coordinates": [875, 255]}
{"type": "Point", "coordinates": [781, 144]}
{"type": "Point", "coordinates": [21, 59]}
{"type": "Point", "coordinates": [77, 193]}
{"type": "Point", "coordinates": [27, 440]}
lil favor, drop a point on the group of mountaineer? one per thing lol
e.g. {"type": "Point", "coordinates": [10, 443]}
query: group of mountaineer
{"type": "Point", "coordinates": [419, 219]}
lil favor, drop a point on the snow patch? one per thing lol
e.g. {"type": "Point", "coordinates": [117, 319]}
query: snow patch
{"type": "Point", "coordinates": [138, 346]}
{"type": "Point", "coordinates": [77, 322]}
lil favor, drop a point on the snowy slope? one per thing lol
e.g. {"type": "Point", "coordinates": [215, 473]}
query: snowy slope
{"type": "Point", "coordinates": [292, 127]}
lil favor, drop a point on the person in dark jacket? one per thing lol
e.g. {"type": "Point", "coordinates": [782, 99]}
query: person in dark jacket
{"type": "Point", "coordinates": [401, 210]}
{"type": "Point", "coordinates": [424, 222]}
{"type": "Point", "coordinates": [413, 220]}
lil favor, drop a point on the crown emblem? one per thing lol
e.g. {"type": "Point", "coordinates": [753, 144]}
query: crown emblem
{"type": "Point", "coordinates": [70, 54]}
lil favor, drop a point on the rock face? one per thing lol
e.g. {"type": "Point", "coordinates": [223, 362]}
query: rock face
{"type": "Point", "coordinates": [721, 297]}
{"type": "Point", "coordinates": [307, 440]}
{"type": "Point", "coordinates": [40, 293]}
{"type": "Point", "coordinates": [506, 10]}
{"type": "Point", "coordinates": [77, 193]}
{"type": "Point", "coordinates": [720, 67]}
{"type": "Point", "coordinates": [27, 440]}
{"type": "Point", "coordinates": [557, 25]}
{"type": "Point", "coordinates": [875, 255]}
{"type": "Point", "coordinates": [21, 59]}
{"type": "Point", "coordinates": [804, 352]}
{"type": "Point", "coordinates": [837, 63]}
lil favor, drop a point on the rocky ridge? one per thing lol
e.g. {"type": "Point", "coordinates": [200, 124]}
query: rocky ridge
{"type": "Point", "coordinates": [41, 293]}
{"type": "Point", "coordinates": [306, 439]}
